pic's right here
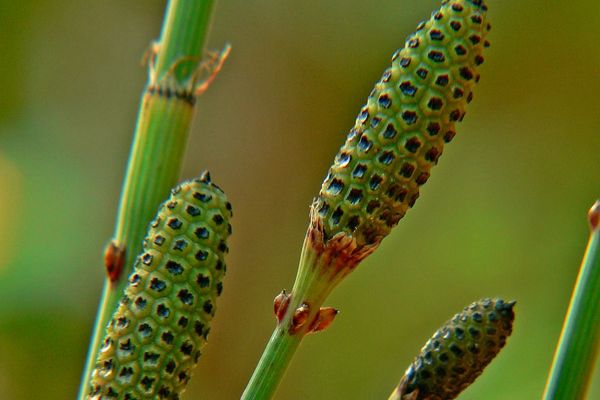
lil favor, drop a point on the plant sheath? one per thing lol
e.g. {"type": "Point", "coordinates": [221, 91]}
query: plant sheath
{"type": "Point", "coordinates": [161, 132]}
{"type": "Point", "coordinates": [578, 345]}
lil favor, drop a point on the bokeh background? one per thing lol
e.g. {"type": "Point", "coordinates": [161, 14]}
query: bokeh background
{"type": "Point", "coordinates": [502, 215]}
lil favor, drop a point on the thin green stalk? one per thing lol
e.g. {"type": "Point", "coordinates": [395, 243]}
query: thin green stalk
{"type": "Point", "coordinates": [161, 133]}
{"type": "Point", "coordinates": [578, 345]}
{"type": "Point", "coordinates": [273, 364]}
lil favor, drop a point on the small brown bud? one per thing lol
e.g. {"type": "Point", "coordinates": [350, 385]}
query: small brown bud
{"type": "Point", "coordinates": [114, 258]}
{"type": "Point", "coordinates": [594, 216]}
{"type": "Point", "coordinates": [325, 317]}
{"type": "Point", "coordinates": [300, 317]}
{"type": "Point", "coordinates": [280, 305]}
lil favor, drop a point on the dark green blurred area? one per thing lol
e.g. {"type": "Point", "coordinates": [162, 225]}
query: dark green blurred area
{"type": "Point", "coordinates": [502, 215]}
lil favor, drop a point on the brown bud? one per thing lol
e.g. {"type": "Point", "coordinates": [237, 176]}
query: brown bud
{"type": "Point", "coordinates": [300, 317]}
{"type": "Point", "coordinates": [280, 305]}
{"type": "Point", "coordinates": [594, 216]}
{"type": "Point", "coordinates": [114, 258]}
{"type": "Point", "coordinates": [324, 318]}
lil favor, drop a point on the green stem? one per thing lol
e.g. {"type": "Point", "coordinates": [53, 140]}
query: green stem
{"type": "Point", "coordinates": [578, 345]}
{"type": "Point", "coordinates": [184, 34]}
{"type": "Point", "coordinates": [272, 365]}
{"type": "Point", "coordinates": [159, 143]}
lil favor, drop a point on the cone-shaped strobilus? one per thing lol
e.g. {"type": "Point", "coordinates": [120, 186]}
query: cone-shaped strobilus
{"type": "Point", "coordinates": [458, 352]}
{"type": "Point", "coordinates": [400, 133]}
{"type": "Point", "coordinates": [154, 338]}
{"type": "Point", "coordinates": [397, 138]}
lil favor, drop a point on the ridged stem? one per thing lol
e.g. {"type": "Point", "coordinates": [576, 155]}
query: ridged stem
{"type": "Point", "coordinates": [577, 350]}
{"type": "Point", "coordinates": [157, 152]}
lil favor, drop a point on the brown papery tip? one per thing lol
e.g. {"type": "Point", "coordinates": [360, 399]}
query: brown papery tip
{"type": "Point", "coordinates": [341, 252]}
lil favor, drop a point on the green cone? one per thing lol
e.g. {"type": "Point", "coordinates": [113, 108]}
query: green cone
{"type": "Point", "coordinates": [459, 351]}
{"type": "Point", "coordinates": [154, 338]}
{"type": "Point", "coordinates": [400, 133]}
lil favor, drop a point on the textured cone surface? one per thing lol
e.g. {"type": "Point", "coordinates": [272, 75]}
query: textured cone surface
{"type": "Point", "coordinates": [154, 338]}
{"type": "Point", "coordinates": [459, 351]}
{"type": "Point", "coordinates": [400, 133]}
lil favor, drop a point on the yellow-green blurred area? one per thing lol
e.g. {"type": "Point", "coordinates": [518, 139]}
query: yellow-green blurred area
{"type": "Point", "coordinates": [502, 215]}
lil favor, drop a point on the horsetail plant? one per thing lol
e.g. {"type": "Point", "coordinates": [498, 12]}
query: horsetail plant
{"type": "Point", "coordinates": [579, 342]}
{"type": "Point", "coordinates": [151, 327]}
{"type": "Point", "coordinates": [154, 338]}
{"type": "Point", "coordinates": [397, 138]}
{"type": "Point", "coordinates": [458, 352]}
{"type": "Point", "coordinates": [165, 113]}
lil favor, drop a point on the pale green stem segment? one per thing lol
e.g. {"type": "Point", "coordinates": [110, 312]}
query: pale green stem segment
{"type": "Point", "coordinates": [157, 152]}
{"type": "Point", "coordinates": [578, 345]}
{"type": "Point", "coordinates": [314, 281]}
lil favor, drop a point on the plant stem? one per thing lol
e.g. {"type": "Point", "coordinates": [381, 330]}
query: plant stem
{"type": "Point", "coordinates": [183, 34]}
{"type": "Point", "coordinates": [164, 118]}
{"type": "Point", "coordinates": [272, 365]}
{"type": "Point", "coordinates": [578, 345]}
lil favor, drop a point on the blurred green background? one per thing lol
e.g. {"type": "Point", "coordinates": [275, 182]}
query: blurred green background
{"type": "Point", "coordinates": [503, 214]}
